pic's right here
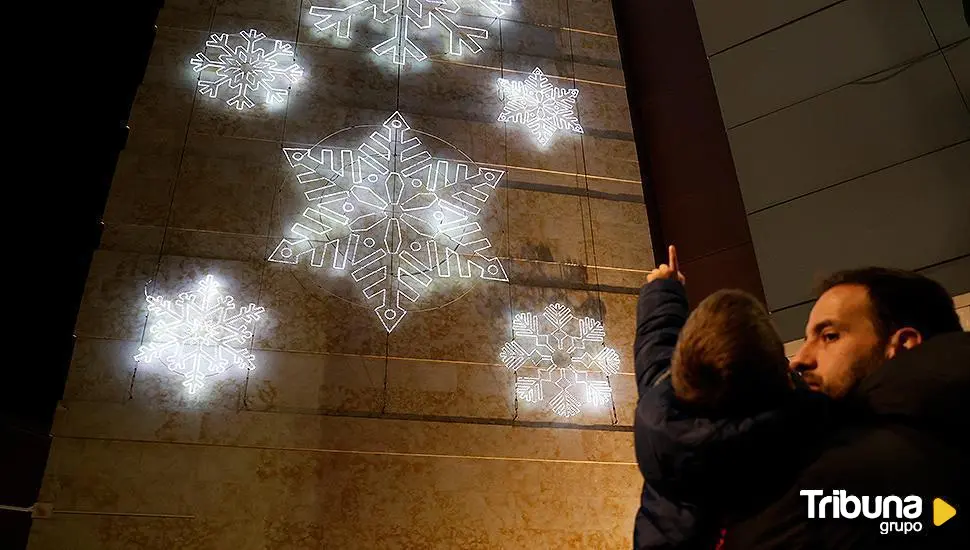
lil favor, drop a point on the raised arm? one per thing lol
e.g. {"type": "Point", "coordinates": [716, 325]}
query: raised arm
{"type": "Point", "coordinates": [661, 313]}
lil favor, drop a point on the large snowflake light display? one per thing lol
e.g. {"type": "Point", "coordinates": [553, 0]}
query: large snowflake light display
{"type": "Point", "coordinates": [392, 214]}
{"type": "Point", "coordinates": [540, 105]}
{"type": "Point", "coordinates": [560, 355]}
{"type": "Point", "coordinates": [246, 68]}
{"type": "Point", "coordinates": [200, 334]}
{"type": "Point", "coordinates": [402, 20]}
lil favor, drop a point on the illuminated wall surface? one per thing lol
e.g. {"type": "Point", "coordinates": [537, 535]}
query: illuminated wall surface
{"type": "Point", "coordinates": [368, 280]}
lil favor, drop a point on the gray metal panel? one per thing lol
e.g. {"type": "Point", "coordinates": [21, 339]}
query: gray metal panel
{"type": "Point", "coordinates": [959, 60]}
{"type": "Point", "coordinates": [909, 216]}
{"type": "Point", "coordinates": [724, 24]}
{"type": "Point", "coordinates": [954, 276]}
{"type": "Point", "coordinates": [790, 322]}
{"type": "Point", "coordinates": [946, 19]}
{"type": "Point", "coordinates": [835, 46]}
{"type": "Point", "coordinates": [851, 131]}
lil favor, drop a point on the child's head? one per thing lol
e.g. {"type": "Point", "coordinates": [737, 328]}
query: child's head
{"type": "Point", "coordinates": [728, 358]}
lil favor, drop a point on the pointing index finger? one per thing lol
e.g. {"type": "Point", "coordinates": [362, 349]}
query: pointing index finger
{"type": "Point", "coordinates": [672, 258]}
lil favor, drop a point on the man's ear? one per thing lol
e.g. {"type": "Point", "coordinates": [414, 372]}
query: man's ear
{"type": "Point", "coordinates": [903, 339]}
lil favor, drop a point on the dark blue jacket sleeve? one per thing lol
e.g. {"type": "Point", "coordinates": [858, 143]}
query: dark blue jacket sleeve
{"type": "Point", "coordinates": [661, 313]}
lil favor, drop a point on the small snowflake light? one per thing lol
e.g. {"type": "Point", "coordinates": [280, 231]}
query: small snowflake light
{"type": "Point", "coordinates": [538, 104]}
{"type": "Point", "coordinates": [403, 20]}
{"type": "Point", "coordinates": [561, 356]}
{"type": "Point", "coordinates": [200, 334]}
{"type": "Point", "coordinates": [243, 65]}
{"type": "Point", "coordinates": [397, 211]}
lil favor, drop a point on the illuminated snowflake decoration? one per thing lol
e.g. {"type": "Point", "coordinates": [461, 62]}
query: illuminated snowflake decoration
{"type": "Point", "coordinates": [541, 106]}
{"type": "Point", "coordinates": [393, 216]}
{"type": "Point", "coordinates": [246, 69]}
{"type": "Point", "coordinates": [559, 355]}
{"type": "Point", "coordinates": [403, 20]}
{"type": "Point", "coordinates": [200, 334]}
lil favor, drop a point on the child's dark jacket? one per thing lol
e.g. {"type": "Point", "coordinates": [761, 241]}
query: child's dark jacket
{"type": "Point", "coordinates": [699, 472]}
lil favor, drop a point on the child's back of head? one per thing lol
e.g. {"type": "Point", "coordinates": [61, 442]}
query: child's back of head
{"type": "Point", "coordinates": [729, 360]}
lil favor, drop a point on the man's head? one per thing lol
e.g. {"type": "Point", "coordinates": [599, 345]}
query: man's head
{"type": "Point", "coordinates": [728, 357]}
{"type": "Point", "coordinates": [864, 317]}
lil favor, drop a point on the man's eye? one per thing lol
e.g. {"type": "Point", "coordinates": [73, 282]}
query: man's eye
{"type": "Point", "coordinates": [830, 336]}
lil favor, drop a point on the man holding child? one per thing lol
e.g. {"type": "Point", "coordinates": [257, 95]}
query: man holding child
{"type": "Point", "coordinates": [741, 449]}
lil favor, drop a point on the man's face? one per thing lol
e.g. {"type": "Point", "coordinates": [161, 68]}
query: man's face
{"type": "Point", "coordinates": [841, 344]}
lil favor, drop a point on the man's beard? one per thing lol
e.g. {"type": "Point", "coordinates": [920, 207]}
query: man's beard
{"type": "Point", "coordinates": [860, 368]}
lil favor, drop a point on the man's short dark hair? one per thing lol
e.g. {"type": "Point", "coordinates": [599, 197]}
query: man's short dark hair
{"type": "Point", "coordinates": [901, 299]}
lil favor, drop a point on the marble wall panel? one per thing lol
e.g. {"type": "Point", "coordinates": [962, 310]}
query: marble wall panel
{"type": "Point", "coordinates": [553, 164]}
{"type": "Point", "coordinates": [144, 239]}
{"type": "Point", "coordinates": [344, 435]}
{"type": "Point", "coordinates": [101, 370]}
{"type": "Point", "coordinates": [470, 328]}
{"type": "Point", "coordinates": [550, 13]}
{"type": "Point", "coordinates": [604, 111]}
{"type": "Point", "coordinates": [620, 234]}
{"type": "Point", "coordinates": [311, 383]}
{"type": "Point", "coordinates": [612, 166]}
{"type": "Point", "coordinates": [288, 11]}
{"type": "Point", "coordinates": [548, 226]}
{"type": "Point", "coordinates": [359, 501]}
{"type": "Point", "coordinates": [113, 301]}
{"type": "Point", "coordinates": [448, 389]}
{"type": "Point", "coordinates": [340, 433]}
{"type": "Point", "coordinates": [277, 23]}
{"type": "Point", "coordinates": [592, 15]}
{"type": "Point", "coordinates": [619, 318]}
{"type": "Point", "coordinates": [224, 194]}
{"type": "Point", "coordinates": [187, 14]}
{"type": "Point", "coordinates": [159, 117]}
{"type": "Point", "coordinates": [452, 90]}
{"type": "Point", "coordinates": [168, 64]}
{"type": "Point", "coordinates": [308, 315]}
{"type": "Point", "coordinates": [141, 191]}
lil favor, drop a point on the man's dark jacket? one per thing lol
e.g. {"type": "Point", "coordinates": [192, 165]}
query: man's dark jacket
{"type": "Point", "coordinates": [699, 472]}
{"type": "Point", "coordinates": [906, 433]}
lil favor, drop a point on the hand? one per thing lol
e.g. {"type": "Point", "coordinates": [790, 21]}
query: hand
{"type": "Point", "coordinates": [672, 271]}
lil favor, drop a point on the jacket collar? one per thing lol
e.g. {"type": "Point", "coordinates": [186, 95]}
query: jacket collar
{"type": "Point", "coordinates": [928, 385]}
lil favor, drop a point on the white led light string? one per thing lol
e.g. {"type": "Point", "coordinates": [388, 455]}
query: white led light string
{"type": "Point", "coordinates": [242, 63]}
{"type": "Point", "coordinates": [560, 359]}
{"type": "Point", "coordinates": [390, 204]}
{"type": "Point", "coordinates": [390, 199]}
{"type": "Point", "coordinates": [201, 333]}
{"type": "Point", "coordinates": [539, 105]}
{"type": "Point", "coordinates": [407, 24]}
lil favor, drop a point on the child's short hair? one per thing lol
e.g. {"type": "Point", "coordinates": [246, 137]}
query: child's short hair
{"type": "Point", "coordinates": [728, 358]}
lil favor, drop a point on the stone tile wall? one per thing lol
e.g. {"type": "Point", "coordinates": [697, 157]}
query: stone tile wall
{"type": "Point", "coordinates": [345, 436]}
